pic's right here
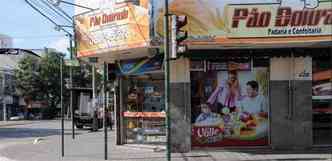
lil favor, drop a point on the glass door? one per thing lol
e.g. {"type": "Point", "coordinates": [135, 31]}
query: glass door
{"type": "Point", "coordinates": [322, 100]}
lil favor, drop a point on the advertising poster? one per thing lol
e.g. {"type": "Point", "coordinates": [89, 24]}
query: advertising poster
{"type": "Point", "coordinates": [119, 27]}
{"type": "Point", "coordinates": [239, 22]}
{"type": "Point", "coordinates": [230, 106]}
{"type": "Point", "coordinates": [322, 86]}
{"type": "Point", "coordinates": [139, 66]}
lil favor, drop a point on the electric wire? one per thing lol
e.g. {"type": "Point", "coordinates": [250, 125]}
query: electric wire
{"type": "Point", "coordinates": [32, 5]}
{"type": "Point", "coordinates": [56, 11]}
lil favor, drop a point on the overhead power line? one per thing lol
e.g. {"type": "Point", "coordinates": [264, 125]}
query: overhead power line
{"type": "Point", "coordinates": [37, 37]}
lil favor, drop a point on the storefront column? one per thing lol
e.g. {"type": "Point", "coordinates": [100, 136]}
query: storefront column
{"type": "Point", "coordinates": [123, 93]}
{"type": "Point", "coordinates": [291, 105]}
{"type": "Point", "coordinates": [118, 118]}
{"type": "Point", "coordinates": [180, 109]}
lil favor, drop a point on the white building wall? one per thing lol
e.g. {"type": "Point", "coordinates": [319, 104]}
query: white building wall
{"type": "Point", "coordinates": [6, 41]}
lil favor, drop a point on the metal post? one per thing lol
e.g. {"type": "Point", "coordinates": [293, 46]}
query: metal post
{"type": "Point", "coordinates": [71, 87]}
{"type": "Point", "coordinates": [93, 85]}
{"type": "Point", "coordinates": [167, 80]}
{"type": "Point", "coordinates": [105, 109]}
{"type": "Point", "coordinates": [3, 96]}
{"type": "Point", "coordinates": [62, 110]}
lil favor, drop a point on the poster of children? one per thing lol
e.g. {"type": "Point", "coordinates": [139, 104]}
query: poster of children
{"type": "Point", "coordinates": [230, 105]}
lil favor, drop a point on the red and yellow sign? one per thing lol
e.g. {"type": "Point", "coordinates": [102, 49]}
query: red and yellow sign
{"type": "Point", "coordinates": [235, 23]}
{"type": "Point", "coordinates": [121, 27]}
{"type": "Point", "coordinates": [271, 21]}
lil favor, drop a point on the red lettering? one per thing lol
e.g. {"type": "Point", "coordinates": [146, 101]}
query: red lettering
{"type": "Point", "coordinates": [94, 21]}
{"type": "Point", "coordinates": [317, 18]}
{"type": "Point", "coordinates": [107, 18]}
{"type": "Point", "coordinates": [253, 18]}
{"type": "Point", "coordinates": [304, 18]}
{"type": "Point", "coordinates": [91, 21]}
{"type": "Point", "coordinates": [311, 18]}
{"type": "Point", "coordinates": [104, 19]}
{"type": "Point", "coordinates": [297, 18]}
{"type": "Point", "coordinates": [264, 19]}
{"type": "Point", "coordinates": [283, 16]}
{"type": "Point", "coordinates": [328, 18]}
{"type": "Point", "coordinates": [239, 14]}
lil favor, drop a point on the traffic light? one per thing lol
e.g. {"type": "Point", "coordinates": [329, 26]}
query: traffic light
{"type": "Point", "coordinates": [178, 35]}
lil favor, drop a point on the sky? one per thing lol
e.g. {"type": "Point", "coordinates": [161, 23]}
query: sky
{"type": "Point", "coordinates": [28, 28]}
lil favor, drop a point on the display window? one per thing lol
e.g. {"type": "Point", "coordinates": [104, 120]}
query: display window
{"type": "Point", "coordinates": [322, 100]}
{"type": "Point", "coordinates": [145, 114]}
{"type": "Point", "coordinates": [230, 104]}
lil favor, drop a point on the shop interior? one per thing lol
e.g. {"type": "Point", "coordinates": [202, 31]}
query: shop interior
{"type": "Point", "coordinates": [322, 100]}
{"type": "Point", "coordinates": [145, 114]}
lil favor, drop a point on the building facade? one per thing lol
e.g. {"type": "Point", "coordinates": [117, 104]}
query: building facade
{"type": "Point", "coordinates": [5, 41]}
{"type": "Point", "coordinates": [11, 103]}
{"type": "Point", "coordinates": [255, 74]}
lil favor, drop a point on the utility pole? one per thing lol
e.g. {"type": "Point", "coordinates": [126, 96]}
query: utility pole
{"type": "Point", "coordinates": [93, 85]}
{"type": "Point", "coordinates": [167, 80]}
{"type": "Point", "coordinates": [71, 86]}
{"type": "Point", "coordinates": [3, 96]}
{"type": "Point", "coordinates": [105, 110]}
{"type": "Point", "coordinates": [62, 110]}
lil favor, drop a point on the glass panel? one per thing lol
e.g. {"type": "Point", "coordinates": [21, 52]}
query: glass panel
{"type": "Point", "coordinates": [145, 116]}
{"type": "Point", "coordinates": [322, 100]}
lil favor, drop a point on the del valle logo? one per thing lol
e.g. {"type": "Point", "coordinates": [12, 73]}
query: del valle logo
{"type": "Point", "coordinates": [286, 17]}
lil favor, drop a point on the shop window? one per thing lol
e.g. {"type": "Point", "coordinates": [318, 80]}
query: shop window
{"type": "Point", "coordinates": [322, 100]}
{"type": "Point", "coordinates": [145, 114]}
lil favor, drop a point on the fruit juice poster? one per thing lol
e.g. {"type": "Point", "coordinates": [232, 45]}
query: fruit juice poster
{"type": "Point", "coordinates": [235, 112]}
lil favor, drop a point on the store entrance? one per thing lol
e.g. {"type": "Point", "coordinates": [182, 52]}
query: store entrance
{"type": "Point", "coordinates": [144, 116]}
{"type": "Point", "coordinates": [229, 100]}
{"type": "Point", "coordinates": [322, 100]}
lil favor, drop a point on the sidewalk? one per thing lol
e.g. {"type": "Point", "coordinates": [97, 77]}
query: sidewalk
{"type": "Point", "coordinates": [89, 146]}
{"type": "Point", "coordinates": [14, 123]}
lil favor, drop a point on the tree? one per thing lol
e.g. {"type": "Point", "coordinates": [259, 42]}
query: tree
{"type": "Point", "coordinates": [39, 79]}
{"type": "Point", "coordinates": [27, 79]}
{"type": "Point", "coordinates": [49, 74]}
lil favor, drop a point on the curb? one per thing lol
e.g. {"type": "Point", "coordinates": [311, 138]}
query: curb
{"type": "Point", "coordinates": [149, 147]}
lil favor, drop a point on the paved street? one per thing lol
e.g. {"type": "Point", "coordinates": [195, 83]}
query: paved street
{"type": "Point", "coordinates": [17, 144]}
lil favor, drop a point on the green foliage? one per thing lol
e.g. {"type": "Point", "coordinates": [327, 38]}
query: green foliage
{"type": "Point", "coordinates": [50, 82]}
{"type": "Point", "coordinates": [27, 78]}
{"type": "Point", "coordinates": [39, 79]}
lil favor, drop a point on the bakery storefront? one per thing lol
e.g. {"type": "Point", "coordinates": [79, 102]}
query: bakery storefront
{"type": "Point", "coordinates": [119, 34]}
{"type": "Point", "coordinates": [255, 74]}
{"type": "Point", "coordinates": [260, 73]}
{"type": "Point", "coordinates": [278, 98]}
